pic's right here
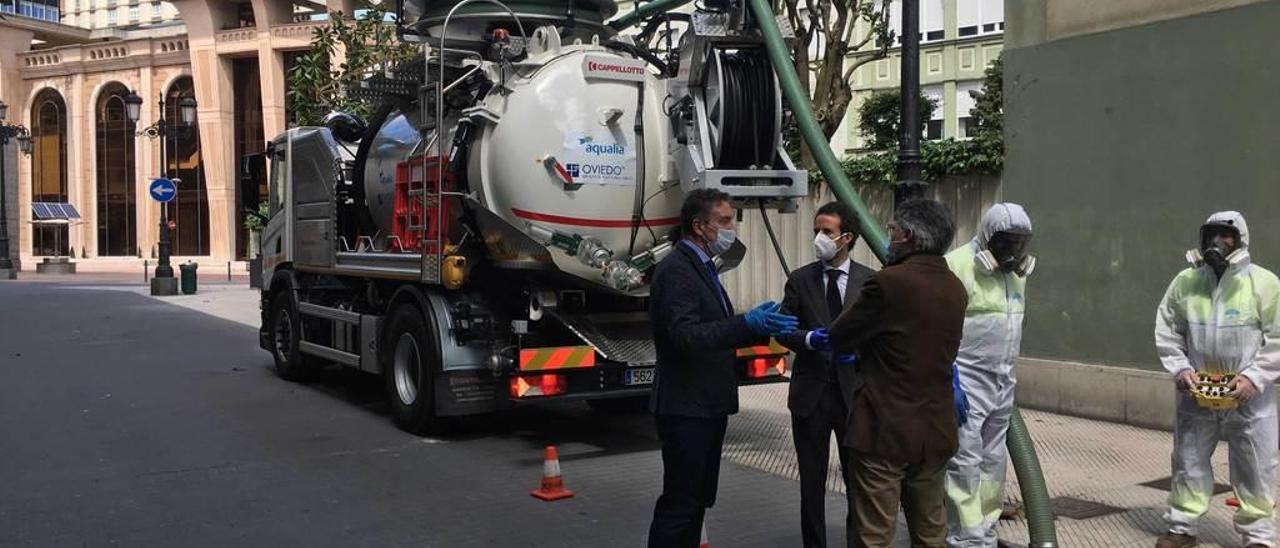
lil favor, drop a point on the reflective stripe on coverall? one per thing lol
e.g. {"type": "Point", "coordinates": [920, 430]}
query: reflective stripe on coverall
{"type": "Point", "coordinates": [1227, 326]}
{"type": "Point", "coordinates": [992, 339]}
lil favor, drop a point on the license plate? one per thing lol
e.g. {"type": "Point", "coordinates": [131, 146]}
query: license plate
{"type": "Point", "coordinates": [635, 377]}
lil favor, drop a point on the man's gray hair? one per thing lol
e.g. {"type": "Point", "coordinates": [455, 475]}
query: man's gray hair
{"type": "Point", "coordinates": [931, 222]}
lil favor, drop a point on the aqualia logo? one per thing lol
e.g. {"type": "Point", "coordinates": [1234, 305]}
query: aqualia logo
{"type": "Point", "coordinates": [601, 150]}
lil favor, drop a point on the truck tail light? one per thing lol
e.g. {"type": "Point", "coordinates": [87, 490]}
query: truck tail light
{"type": "Point", "coordinates": [538, 386]}
{"type": "Point", "coordinates": [759, 368]}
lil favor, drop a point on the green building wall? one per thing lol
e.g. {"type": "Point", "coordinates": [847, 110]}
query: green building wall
{"type": "Point", "coordinates": [1120, 143]}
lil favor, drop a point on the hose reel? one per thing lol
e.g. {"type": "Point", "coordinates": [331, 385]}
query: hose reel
{"type": "Point", "coordinates": [725, 108]}
{"type": "Point", "coordinates": [744, 109]}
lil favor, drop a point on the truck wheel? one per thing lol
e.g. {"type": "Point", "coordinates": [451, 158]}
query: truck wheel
{"type": "Point", "coordinates": [409, 364]}
{"type": "Point", "coordinates": [285, 332]}
{"type": "Point", "coordinates": [620, 406]}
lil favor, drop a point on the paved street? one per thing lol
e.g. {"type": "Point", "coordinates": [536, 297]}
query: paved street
{"type": "Point", "coordinates": [126, 420]}
{"type": "Point", "coordinates": [135, 421]}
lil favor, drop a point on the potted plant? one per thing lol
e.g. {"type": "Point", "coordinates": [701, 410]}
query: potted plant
{"type": "Point", "coordinates": [253, 223]}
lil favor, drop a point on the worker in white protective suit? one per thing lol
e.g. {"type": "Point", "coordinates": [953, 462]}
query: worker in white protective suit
{"type": "Point", "coordinates": [1222, 317]}
{"type": "Point", "coordinates": [993, 267]}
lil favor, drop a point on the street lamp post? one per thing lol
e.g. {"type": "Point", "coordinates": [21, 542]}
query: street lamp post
{"type": "Point", "coordinates": [909, 183]}
{"type": "Point", "coordinates": [163, 282]}
{"type": "Point", "coordinates": [8, 131]}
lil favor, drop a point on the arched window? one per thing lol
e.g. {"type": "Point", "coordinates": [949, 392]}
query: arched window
{"type": "Point", "coordinates": [117, 193]}
{"type": "Point", "coordinates": [49, 168]}
{"type": "Point", "coordinates": [190, 209]}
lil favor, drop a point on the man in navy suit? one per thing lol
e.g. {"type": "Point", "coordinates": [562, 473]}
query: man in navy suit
{"type": "Point", "coordinates": [822, 387]}
{"type": "Point", "coordinates": [696, 334]}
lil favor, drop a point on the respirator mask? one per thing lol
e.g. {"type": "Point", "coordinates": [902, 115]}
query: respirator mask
{"type": "Point", "coordinates": [1217, 243]}
{"type": "Point", "coordinates": [1007, 252]}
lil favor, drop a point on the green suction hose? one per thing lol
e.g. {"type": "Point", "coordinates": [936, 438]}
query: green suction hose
{"type": "Point", "coordinates": [1022, 451]}
{"type": "Point", "coordinates": [651, 8]}
{"type": "Point", "coordinates": [1035, 494]}
{"type": "Point", "coordinates": [780, 58]}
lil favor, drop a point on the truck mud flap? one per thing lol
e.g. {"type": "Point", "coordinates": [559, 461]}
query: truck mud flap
{"type": "Point", "coordinates": [623, 338]}
{"type": "Point", "coordinates": [469, 392]}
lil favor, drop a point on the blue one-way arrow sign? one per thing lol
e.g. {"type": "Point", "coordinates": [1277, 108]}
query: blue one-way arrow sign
{"type": "Point", "coordinates": [163, 190]}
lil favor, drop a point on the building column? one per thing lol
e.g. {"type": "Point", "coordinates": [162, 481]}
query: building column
{"type": "Point", "coordinates": [79, 236]}
{"type": "Point", "coordinates": [12, 92]}
{"type": "Point", "coordinates": [271, 74]}
{"type": "Point", "coordinates": [215, 94]}
{"type": "Point", "coordinates": [216, 113]}
{"type": "Point", "coordinates": [144, 165]}
{"type": "Point", "coordinates": [272, 77]}
{"type": "Point", "coordinates": [950, 119]}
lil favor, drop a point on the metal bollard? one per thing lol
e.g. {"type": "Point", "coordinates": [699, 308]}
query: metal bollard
{"type": "Point", "coordinates": [146, 266]}
{"type": "Point", "coordinates": [228, 271]}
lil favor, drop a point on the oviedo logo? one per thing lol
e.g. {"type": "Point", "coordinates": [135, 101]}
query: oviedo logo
{"type": "Point", "coordinates": [595, 170]}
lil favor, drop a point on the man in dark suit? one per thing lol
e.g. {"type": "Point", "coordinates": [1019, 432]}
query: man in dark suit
{"type": "Point", "coordinates": [905, 327]}
{"type": "Point", "coordinates": [820, 390]}
{"type": "Point", "coordinates": [696, 334]}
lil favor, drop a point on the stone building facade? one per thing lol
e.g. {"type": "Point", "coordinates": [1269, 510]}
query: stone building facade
{"type": "Point", "coordinates": [66, 83]}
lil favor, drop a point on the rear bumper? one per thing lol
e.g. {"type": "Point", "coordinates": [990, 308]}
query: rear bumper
{"type": "Point", "coordinates": [606, 381]}
{"type": "Point", "coordinates": [584, 396]}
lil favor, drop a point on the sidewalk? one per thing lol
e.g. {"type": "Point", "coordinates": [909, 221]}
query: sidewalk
{"type": "Point", "coordinates": [1096, 471]}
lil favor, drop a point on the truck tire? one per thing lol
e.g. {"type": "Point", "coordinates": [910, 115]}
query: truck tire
{"type": "Point", "coordinates": [285, 333]}
{"type": "Point", "coordinates": [620, 406]}
{"type": "Point", "coordinates": [409, 366]}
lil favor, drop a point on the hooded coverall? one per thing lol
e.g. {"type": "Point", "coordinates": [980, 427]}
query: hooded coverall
{"type": "Point", "coordinates": [992, 337]}
{"type": "Point", "coordinates": [1230, 325]}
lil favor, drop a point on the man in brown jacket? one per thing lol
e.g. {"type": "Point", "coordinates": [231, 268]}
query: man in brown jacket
{"type": "Point", "coordinates": [905, 328]}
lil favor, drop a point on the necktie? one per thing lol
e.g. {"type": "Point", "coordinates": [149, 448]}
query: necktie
{"type": "Point", "coordinates": [834, 303]}
{"type": "Point", "coordinates": [715, 278]}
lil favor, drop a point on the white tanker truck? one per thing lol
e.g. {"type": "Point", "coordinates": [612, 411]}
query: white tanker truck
{"type": "Point", "coordinates": [486, 238]}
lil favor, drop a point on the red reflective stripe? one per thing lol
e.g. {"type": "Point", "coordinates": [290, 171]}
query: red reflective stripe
{"type": "Point", "coordinates": [527, 356]}
{"type": "Point", "coordinates": [563, 173]}
{"type": "Point", "coordinates": [593, 223]}
{"type": "Point", "coordinates": [559, 356]}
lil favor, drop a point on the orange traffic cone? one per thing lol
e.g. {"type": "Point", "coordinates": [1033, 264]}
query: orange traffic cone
{"type": "Point", "coordinates": [704, 543]}
{"type": "Point", "coordinates": [552, 487]}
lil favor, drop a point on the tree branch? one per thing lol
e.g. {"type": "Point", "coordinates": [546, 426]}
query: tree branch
{"type": "Point", "coordinates": [848, 73]}
{"type": "Point", "coordinates": [879, 28]}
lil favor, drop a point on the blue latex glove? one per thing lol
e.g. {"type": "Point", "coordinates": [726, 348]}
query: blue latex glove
{"type": "Point", "coordinates": [847, 359]}
{"type": "Point", "coordinates": [819, 339]}
{"type": "Point", "coordinates": [765, 319]}
{"type": "Point", "coordinates": [962, 400]}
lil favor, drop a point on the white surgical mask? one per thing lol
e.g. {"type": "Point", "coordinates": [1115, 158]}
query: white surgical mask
{"type": "Point", "coordinates": [724, 240]}
{"type": "Point", "coordinates": [824, 248]}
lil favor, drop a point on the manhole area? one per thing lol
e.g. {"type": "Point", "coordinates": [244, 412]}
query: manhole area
{"type": "Point", "coordinates": [1163, 484]}
{"type": "Point", "coordinates": [1080, 509]}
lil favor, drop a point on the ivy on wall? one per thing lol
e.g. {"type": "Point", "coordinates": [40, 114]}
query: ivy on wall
{"type": "Point", "coordinates": [982, 154]}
